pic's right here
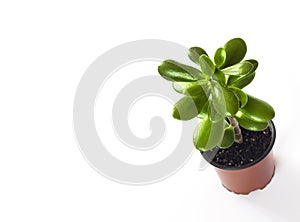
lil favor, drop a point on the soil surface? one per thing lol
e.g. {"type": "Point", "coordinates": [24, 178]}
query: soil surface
{"type": "Point", "coordinates": [253, 148]}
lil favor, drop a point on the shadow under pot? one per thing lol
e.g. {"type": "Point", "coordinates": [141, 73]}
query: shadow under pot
{"type": "Point", "coordinates": [248, 166]}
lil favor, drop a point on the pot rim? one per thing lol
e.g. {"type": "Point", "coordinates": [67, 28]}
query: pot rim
{"type": "Point", "coordinates": [209, 158]}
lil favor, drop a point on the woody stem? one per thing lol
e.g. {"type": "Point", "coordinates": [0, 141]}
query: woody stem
{"type": "Point", "coordinates": [238, 138]}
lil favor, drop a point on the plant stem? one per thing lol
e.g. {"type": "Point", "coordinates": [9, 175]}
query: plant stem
{"type": "Point", "coordinates": [238, 138]}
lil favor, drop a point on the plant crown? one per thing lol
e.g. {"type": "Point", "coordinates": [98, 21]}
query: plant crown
{"type": "Point", "coordinates": [214, 94]}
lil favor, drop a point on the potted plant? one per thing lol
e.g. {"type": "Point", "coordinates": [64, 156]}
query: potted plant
{"type": "Point", "coordinates": [235, 132]}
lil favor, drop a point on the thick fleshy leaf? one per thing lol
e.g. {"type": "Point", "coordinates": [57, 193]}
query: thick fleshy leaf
{"type": "Point", "coordinates": [189, 107]}
{"type": "Point", "coordinates": [240, 81]}
{"type": "Point", "coordinates": [218, 102]}
{"type": "Point", "coordinates": [199, 89]}
{"type": "Point", "coordinates": [220, 77]}
{"type": "Point", "coordinates": [175, 71]}
{"type": "Point", "coordinates": [181, 86]}
{"type": "Point", "coordinates": [239, 69]}
{"type": "Point", "coordinates": [228, 137]}
{"type": "Point", "coordinates": [191, 88]}
{"type": "Point", "coordinates": [205, 111]}
{"type": "Point", "coordinates": [220, 57]}
{"type": "Point", "coordinates": [254, 64]}
{"type": "Point", "coordinates": [207, 66]}
{"type": "Point", "coordinates": [231, 101]}
{"type": "Point", "coordinates": [235, 51]}
{"type": "Point", "coordinates": [208, 134]}
{"type": "Point", "coordinates": [195, 53]}
{"type": "Point", "coordinates": [223, 100]}
{"type": "Point", "coordinates": [213, 114]}
{"type": "Point", "coordinates": [250, 124]}
{"type": "Point", "coordinates": [243, 98]}
{"type": "Point", "coordinates": [257, 110]}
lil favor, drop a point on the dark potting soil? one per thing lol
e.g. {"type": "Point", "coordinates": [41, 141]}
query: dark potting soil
{"type": "Point", "coordinates": [254, 146]}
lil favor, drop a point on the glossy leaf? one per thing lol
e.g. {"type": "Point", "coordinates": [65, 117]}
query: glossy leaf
{"type": "Point", "coordinates": [242, 68]}
{"type": "Point", "coordinates": [231, 101]}
{"type": "Point", "coordinates": [213, 114]}
{"type": "Point", "coordinates": [220, 77]}
{"type": "Point", "coordinates": [208, 134]}
{"type": "Point", "coordinates": [228, 137]}
{"type": "Point", "coordinates": [220, 57]}
{"type": "Point", "coordinates": [205, 111]}
{"type": "Point", "coordinates": [224, 101]}
{"type": "Point", "coordinates": [218, 100]}
{"type": "Point", "coordinates": [235, 51]}
{"type": "Point", "coordinates": [207, 66]}
{"type": "Point", "coordinates": [191, 88]}
{"type": "Point", "coordinates": [195, 53]}
{"type": "Point", "coordinates": [188, 107]}
{"type": "Point", "coordinates": [250, 124]}
{"type": "Point", "coordinates": [199, 89]}
{"type": "Point", "coordinates": [181, 86]}
{"type": "Point", "coordinates": [240, 81]}
{"type": "Point", "coordinates": [243, 97]}
{"type": "Point", "coordinates": [254, 64]}
{"type": "Point", "coordinates": [175, 71]}
{"type": "Point", "coordinates": [257, 110]}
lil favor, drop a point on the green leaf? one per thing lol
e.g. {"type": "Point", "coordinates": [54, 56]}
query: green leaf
{"type": "Point", "coordinates": [223, 100]}
{"type": "Point", "coordinates": [208, 134]}
{"type": "Point", "coordinates": [199, 89]}
{"type": "Point", "coordinates": [207, 66]}
{"type": "Point", "coordinates": [250, 124]}
{"type": "Point", "coordinates": [243, 98]}
{"type": "Point", "coordinates": [242, 68]}
{"type": "Point", "coordinates": [231, 101]}
{"type": "Point", "coordinates": [235, 51]}
{"type": "Point", "coordinates": [205, 110]}
{"type": "Point", "coordinates": [228, 137]}
{"type": "Point", "coordinates": [175, 71]}
{"type": "Point", "coordinates": [220, 57]}
{"type": "Point", "coordinates": [189, 107]}
{"type": "Point", "coordinates": [191, 88]}
{"type": "Point", "coordinates": [214, 115]}
{"type": "Point", "coordinates": [240, 81]}
{"type": "Point", "coordinates": [195, 53]}
{"type": "Point", "coordinates": [257, 110]}
{"type": "Point", "coordinates": [254, 64]}
{"type": "Point", "coordinates": [218, 102]}
{"type": "Point", "coordinates": [220, 77]}
{"type": "Point", "coordinates": [181, 86]}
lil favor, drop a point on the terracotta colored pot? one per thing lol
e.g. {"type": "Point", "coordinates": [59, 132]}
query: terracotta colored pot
{"type": "Point", "coordinates": [249, 179]}
{"type": "Point", "coordinates": [253, 176]}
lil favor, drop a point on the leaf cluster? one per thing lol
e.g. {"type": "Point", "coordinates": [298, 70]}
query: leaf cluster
{"type": "Point", "coordinates": [214, 91]}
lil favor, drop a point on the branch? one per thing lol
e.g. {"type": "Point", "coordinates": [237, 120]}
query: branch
{"type": "Point", "coordinates": [238, 138]}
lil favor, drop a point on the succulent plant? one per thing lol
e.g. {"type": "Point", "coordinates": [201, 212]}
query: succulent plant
{"type": "Point", "coordinates": [214, 94]}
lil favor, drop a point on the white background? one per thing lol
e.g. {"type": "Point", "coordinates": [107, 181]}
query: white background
{"type": "Point", "coordinates": [45, 47]}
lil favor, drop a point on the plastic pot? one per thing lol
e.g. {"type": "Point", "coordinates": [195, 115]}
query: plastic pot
{"type": "Point", "coordinates": [249, 177]}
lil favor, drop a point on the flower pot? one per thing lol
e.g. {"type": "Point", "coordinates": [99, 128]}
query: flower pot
{"type": "Point", "coordinates": [245, 178]}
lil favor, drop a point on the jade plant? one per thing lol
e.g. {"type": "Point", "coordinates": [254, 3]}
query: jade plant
{"type": "Point", "coordinates": [213, 92]}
